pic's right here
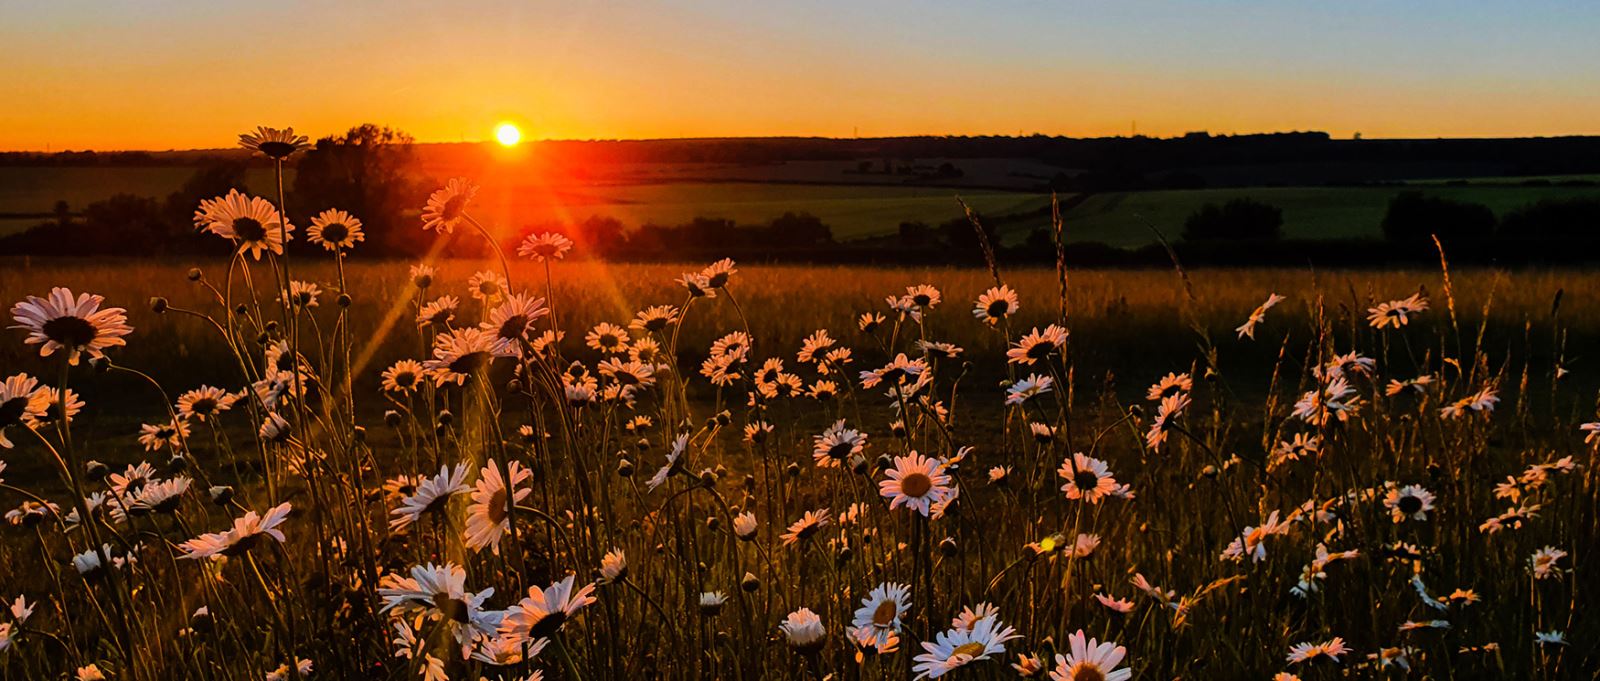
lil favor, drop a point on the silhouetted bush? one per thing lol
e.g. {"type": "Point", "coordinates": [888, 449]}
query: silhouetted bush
{"type": "Point", "coordinates": [1574, 219]}
{"type": "Point", "coordinates": [1414, 217]}
{"type": "Point", "coordinates": [1237, 219]}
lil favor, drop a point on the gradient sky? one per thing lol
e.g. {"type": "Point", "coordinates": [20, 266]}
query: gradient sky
{"type": "Point", "coordinates": [162, 74]}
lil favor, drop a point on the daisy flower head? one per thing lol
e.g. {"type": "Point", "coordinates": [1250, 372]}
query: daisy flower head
{"type": "Point", "coordinates": [22, 402]}
{"type": "Point", "coordinates": [655, 319]}
{"type": "Point", "coordinates": [837, 444]}
{"type": "Point", "coordinates": [336, 230]}
{"type": "Point", "coordinates": [1088, 479]}
{"type": "Point", "coordinates": [1543, 562]}
{"type": "Point", "coordinates": [1169, 385]}
{"type": "Point", "coordinates": [716, 274]}
{"type": "Point", "coordinates": [422, 275]}
{"type": "Point", "coordinates": [74, 325]}
{"type": "Point", "coordinates": [697, 285]}
{"type": "Point", "coordinates": [1248, 329]}
{"type": "Point", "coordinates": [274, 143]}
{"type": "Point", "coordinates": [869, 321]}
{"type": "Point", "coordinates": [1117, 605]}
{"type": "Point", "coordinates": [806, 527]}
{"type": "Point", "coordinates": [459, 355]}
{"type": "Point", "coordinates": [511, 322]}
{"type": "Point", "coordinates": [1308, 653]}
{"type": "Point", "coordinates": [545, 246]}
{"type": "Point", "coordinates": [488, 517]}
{"type": "Point", "coordinates": [680, 446]}
{"type": "Point", "coordinates": [897, 373]}
{"type": "Point", "coordinates": [447, 207]}
{"type": "Point", "coordinates": [162, 436]}
{"type": "Point", "coordinates": [996, 304]}
{"type": "Point", "coordinates": [1411, 502]}
{"type": "Point", "coordinates": [251, 221]}
{"type": "Point", "coordinates": [545, 611]}
{"type": "Point", "coordinates": [1028, 388]}
{"type": "Point", "coordinates": [608, 338]}
{"type": "Point", "coordinates": [1037, 345]}
{"type": "Point", "coordinates": [441, 311]}
{"type": "Point", "coordinates": [438, 593]}
{"type": "Point", "coordinates": [881, 611]}
{"type": "Point", "coordinates": [246, 532]}
{"type": "Point", "coordinates": [1396, 313]}
{"type": "Point", "coordinates": [916, 482]}
{"type": "Point", "coordinates": [803, 630]}
{"type": "Point", "coordinates": [431, 496]}
{"type": "Point", "coordinates": [303, 295]}
{"type": "Point", "coordinates": [613, 566]}
{"type": "Point", "coordinates": [744, 526]}
{"type": "Point", "coordinates": [404, 377]}
{"type": "Point", "coordinates": [1252, 540]}
{"type": "Point", "coordinates": [487, 285]}
{"type": "Point", "coordinates": [205, 402]}
{"type": "Point", "coordinates": [957, 647]}
{"type": "Point", "coordinates": [922, 296]}
{"type": "Point", "coordinates": [1090, 660]}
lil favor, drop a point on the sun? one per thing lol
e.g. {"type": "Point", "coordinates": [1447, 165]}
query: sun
{"type": "Point", "coordinates": [507, 134]}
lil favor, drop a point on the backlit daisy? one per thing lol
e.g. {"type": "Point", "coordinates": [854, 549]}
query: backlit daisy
{"type": "Point", "coordinates": [251, 221]}
{"type": "Point", "coordinates": [916, 482]}
{"type": "Point", "coordinates": [803, 630]}
{"type": "Point", "coordinates": [335, 230]}
{"type": "Point", "coordinates": [881, 611]}
{"type": "Point", "coordinates": [448, 206]}
{"type": "Point", "coordinates": [205, 402]}
{"type": "Point", "coordinates": [608, 338]}
{"type": "Point", "coordinates": [1027, 389]}
{"type": "Point", "coordinates": [440, 311]}
{"type": "Point", "coordinates": [958, 647]}
{"type": "Point", "coordinates": [488, 515]}
{"type": "Point", "coordinates": [996, 304]}
{"type": "Point", "coordinates": [1396, 313]}
{"type": "Point", "coordinates": [1248, 329]}
{"type": "Point", "coordinates": [1409, 502]}
{"type": "Point", "coordinates": [545, 246]}
{"type": "Point", "coordinates": [431, 496]}
{"type": "Point", "coordinates": [544, 611]}
{"type": "Point", "coordinates": [1037, 345]}
{"type": "Point", "coordinates": [21, 401]}
{"type": "Point", "coordinates": [459, 355]}
{"type": "Point", "coordinates": [512, 321]}
{"type": "Point", "coordinates": [487, 286]}
{"type": "Point", "coordinates": [161, 436]}
{"type": "Point", "coordinates": [837, 444]}
{"type": "Point", "coordinates": [806, 526]}
{"type": "Point", "coordinates": [1316, 652]}
{"type": "Point", "coordinates": [74, 325]}
{"type": "Point", "coordinates": [1090, 660]}
{"type": "Point", "coordinates": [1088, 479]}
{"type": "Point", "coordinates": [1544, 562]}
{"type": "Point", "coordinates": [274, 143]}
{"type": "Point", "coordinates": [717, 274]}
{"type": "Point", "coordinates": [404, 376]}
{"type": "Point", "coordinates": [1169, 385]}
{"type": "Point", "coordinates": [438, 593]}
{"type": "Point", "coordinates": [244, 535]}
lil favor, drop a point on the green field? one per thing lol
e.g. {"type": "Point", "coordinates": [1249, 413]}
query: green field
{"type": "Point", "coordinates": [854, 211]}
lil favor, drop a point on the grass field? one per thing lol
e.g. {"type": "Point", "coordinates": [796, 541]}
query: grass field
{"type": "Point", "coordinates": [1297, 516]}
{"type": "Point", "coordinates": [853, 211]}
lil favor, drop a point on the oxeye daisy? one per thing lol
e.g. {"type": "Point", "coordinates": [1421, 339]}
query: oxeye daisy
{"type": "Point", "coordinates": [837, 444]}
{"type": "Point", "coordinates": [303, 294]}
{"type": "Point", "coordinates": [1318, 652]}
{"type": "Point", "coordinates": [251, 221]}
{"type": "Point", "coordinates": [431, 496]}
{"type": "Point", "coordinates": [447, 207]}
{"type": "Point", "coordinates": [1117, 605]}
{"type": "Point", "coordinates": [711, 603]}
{"type": "Point", "coordinates": [923, 296]}
{"type": "Point", "coordinates": [655, 319]}
{"type": "Point", "coordinates": [1411, 502]}
{"type": "Point", "coordinates": [1090, 660]}
{"type": "Point", "coordinates": [544, 611]}
{"type": "Point", "coordinates": [1252, 541]}
{"type": "Point", "coordinates": [460, 354]}
{"type": "Point", "coordinates": [806, 526]}
{"type": "Point", "coordinates": [613, 566]}
{"type": "Point", "coordinates": [274, 143]}
{"type": "Point", "coordinates": [958, 647]}
{"type": "Point", "coordinates": [301, 669]}
{"type": "Point", "coordinates": [488, 517]}
{"type": "Point", "coordinates": [803, 630]}
{"type": "Point", "coordinates": [744, 526]}
{"type": "Point", "coordinates": [164, 435]}
{"type": "Point", "coordinates": [916, 482]}
{"type": "Point", "coordinates": [545, 246]}
{"type": "Point", "coordinates": [21, 402]}
{"type": "Point", "coordinates": [512, 321]}
{"type": "Point", "coordinates": [243, 536]}
{"type": "Point", "coordinates": [823, 391]}
{"type": "Point", "coordinates": [54, 404]}
{"type": "Point", "coordinates": [680, 445]}
{"type": "Point", "coordinates": [1396, 313]}
{"type": "Point", "coordinates": [898, 372]}
{"type": "Point", "coordinates": [869, 321]}
{"type": "Point", "coordinates": [608, 338]}
{"type": "Point", "coordinates": [1037, 345]}
{"type": "Point", "coordinates": [1169, 385]}
{"type": "Point", "coordinates": [880, 613]}
{"type": "Point", "coordinates": [996, 304]}
{"type": "Point", "coordinates": [717, 274]}
{"type": "Point", "coordinates": [697, 285]}
{"type": "Point", "coordinates": [441, 311]}
{"type": "Point", "coordinates": [814, 346]}
{"type": "Point", "coordinates": [205, 402]}
{"type": "Point", "coordinates": [487, 286]}
{"type": "Point", "coordinates": [438, 593]}
{"type": "Point", "coordinates": [1028, 388]}
{"type": "Point", "coordinates": [1544, 562]}
{"type": "Point", "coordinates": [76, 325]}
{"type": "Point", "coordinates": [335, 230]}
{"type": "Point", "coordinates": [421, 275]}
{"type": "Point", "coordinates": [1248, 329]}
{"type": "Point", "coordinates": [404, 376]}
{"type": "Point", "coordinates": [1088, 479]}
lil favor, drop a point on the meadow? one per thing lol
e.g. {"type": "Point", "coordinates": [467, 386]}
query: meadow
{"type": "Point", "coordinates": [543, 467]}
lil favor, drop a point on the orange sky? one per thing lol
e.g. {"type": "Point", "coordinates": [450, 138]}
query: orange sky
{"type": "Point", "coordinates": [185, 74]}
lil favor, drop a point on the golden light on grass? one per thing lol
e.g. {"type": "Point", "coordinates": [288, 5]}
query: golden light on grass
{"type": "Point", "coordinates": [507, 134]}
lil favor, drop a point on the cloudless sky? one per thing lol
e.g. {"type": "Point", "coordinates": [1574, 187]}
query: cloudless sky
{"type": "Point", "coordinates": [160, 74]}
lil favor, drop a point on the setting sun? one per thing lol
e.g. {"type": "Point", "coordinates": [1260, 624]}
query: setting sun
{"type": "Point", "coordinates": [507, 134]}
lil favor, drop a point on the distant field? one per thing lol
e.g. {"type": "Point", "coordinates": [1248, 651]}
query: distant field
{"type": "Point", "coordinates": [676, 193]}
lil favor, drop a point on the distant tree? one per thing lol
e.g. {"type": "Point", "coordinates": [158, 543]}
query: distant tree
{"type": "Point", "coordinates": [798, 230]}
{"type": "Point", "coordinates": [915, 233]}
{"type": "Point", "coordinates": [208, 182]}
{"type": "Point", "coordinates": [1240, 218]}
{"type": "Point", "coordinates": [367, 171]}
{"type": "Point", "coordinates": [962, 238]}
{"type": "Point", "coordinates": [1573, 219]}
{"type": "Point", "coordinates": [1413, 217]}
{"type": "Point", "coordinates": [63, 213]}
